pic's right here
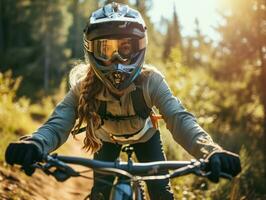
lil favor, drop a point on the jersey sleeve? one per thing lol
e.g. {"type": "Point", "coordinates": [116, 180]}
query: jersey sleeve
{"type": "Point", "coordinates": [181, 123]}
{"type": "Point", "coordinates": [55, 131]}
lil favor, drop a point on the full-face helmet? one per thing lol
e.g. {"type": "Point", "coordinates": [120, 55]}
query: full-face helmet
{"type": "Point", "coordinates": [115, 42]}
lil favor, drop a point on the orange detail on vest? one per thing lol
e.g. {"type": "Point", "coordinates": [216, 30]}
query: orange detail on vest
{"type": "Point", "coordinates": [155, 119]}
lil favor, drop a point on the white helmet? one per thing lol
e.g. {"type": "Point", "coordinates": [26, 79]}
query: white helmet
{"type": "Point", "coordinates": [115, 42]}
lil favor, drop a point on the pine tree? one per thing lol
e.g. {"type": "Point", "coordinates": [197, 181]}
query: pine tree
{"type": "Point", "coordinates": [34, 35]}
{"type": "Point", "coordinates": [177, 39]}
{"type": "Point", "coordinates": [173, 36]}
{"type": "Point", "coordinates": [50, 29]}
{"type": "Point", "coordinates": [167, 42]}
{"type": "Point", "coordinates": [14, 39]}
{"type": "Point", "coordinates": [81, 11]}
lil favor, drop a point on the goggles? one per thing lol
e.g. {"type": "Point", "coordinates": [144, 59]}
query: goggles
{"type": "Point", "coordinates": [111, 49]}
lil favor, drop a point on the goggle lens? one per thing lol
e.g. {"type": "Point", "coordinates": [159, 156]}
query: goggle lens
{"type": "Point", "coordinates": [106, 49]}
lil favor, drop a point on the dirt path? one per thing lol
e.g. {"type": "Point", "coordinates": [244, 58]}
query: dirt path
{"type": "Point", "coordinates": [15, 185]}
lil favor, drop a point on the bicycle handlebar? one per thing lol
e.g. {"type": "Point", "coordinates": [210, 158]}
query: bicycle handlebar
{"type": "Point", "coordinates": [134, 171]}
{"type": "Point", "coordinates": [133, 168]}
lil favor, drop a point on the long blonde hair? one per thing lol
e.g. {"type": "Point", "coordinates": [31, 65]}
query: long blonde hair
{"type": "Point", "coordinates": [87, 110]}
{"type": "Point", "coordinates": [88, 105]}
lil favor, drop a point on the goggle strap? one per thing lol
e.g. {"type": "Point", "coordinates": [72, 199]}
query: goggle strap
{"type": "Point", "coordinates": [88, 45]}
{"type": "Point", "coordinates": [142, 43]}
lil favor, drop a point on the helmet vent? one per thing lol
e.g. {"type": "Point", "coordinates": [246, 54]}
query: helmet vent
{"type": "Point", "coordinates": [130, 16]}
{"type": "Point", "coordinates": [115, 6]}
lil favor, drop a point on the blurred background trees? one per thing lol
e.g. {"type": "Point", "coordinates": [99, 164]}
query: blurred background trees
{"type": "Point", "coordinates": [222, 82]}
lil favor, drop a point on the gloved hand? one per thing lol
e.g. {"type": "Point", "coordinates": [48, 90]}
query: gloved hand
{"type": "Point", "coordinates": [223, 161]}
{"type": "Point", "coordinates": [23, 153]}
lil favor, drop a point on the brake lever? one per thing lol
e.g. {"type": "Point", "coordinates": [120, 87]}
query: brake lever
{"type": "Point", "coordinates": [55, 162]}
{"type": "Point", "coordinates": [45, 167]}
{"type": "Point", "coordinates": [62, 171]}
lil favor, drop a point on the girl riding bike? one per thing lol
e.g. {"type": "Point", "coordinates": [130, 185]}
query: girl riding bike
{"type": "Point", "coordinates": [113, 94]}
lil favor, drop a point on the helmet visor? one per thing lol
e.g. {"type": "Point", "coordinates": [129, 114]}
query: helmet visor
{"type": "Point", "coordinates": [110, 49]}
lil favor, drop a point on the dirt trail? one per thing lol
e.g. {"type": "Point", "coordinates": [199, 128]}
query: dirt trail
{"type": "Point", "coordinates": [15, 185]}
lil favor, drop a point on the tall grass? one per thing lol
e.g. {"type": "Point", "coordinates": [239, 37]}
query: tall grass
{"type": "Point", "coordinates": [17, 114]}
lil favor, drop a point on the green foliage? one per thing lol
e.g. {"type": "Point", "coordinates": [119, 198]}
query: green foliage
{"type": "Point", "coordinates": [18, 116]}
{"type": "Point", "coordinates": [222, 84]}
{"type": "Point", "coordinates": [242, 64]}
{"type": "Point", "coordinates": [225, 94]}
{"type": "Point", "coordinates": [35, 34]}
{"type": "Point", "coordinates": [12, 108]}
{"type": "Point", "coordinates": [229, 110]}
{"type": "Point", "coordinates": [13, 114]}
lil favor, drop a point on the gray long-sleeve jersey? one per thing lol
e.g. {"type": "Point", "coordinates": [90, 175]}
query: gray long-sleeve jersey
{"type": "Point", "coordinates": [182, 124]}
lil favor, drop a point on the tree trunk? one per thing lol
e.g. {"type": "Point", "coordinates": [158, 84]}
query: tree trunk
{"type": "Point", "coordinates": [47, 62]}
{"type": "Point", "coordinates": [76, 45]}
{"type": "Point", "coordinates": [47, 49]}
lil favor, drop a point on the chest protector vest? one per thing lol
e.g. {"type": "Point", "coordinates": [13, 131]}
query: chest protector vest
{"type": "Point", "coordinates": [140, 107]}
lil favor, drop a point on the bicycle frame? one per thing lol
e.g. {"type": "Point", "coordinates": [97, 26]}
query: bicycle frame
{"type": "Point", "coordinates": [122, 190]}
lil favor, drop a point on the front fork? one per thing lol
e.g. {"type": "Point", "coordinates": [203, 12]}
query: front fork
{"type": "Point", "coordinates": [139, 193]}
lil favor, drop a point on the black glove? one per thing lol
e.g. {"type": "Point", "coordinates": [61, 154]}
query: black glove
{"type": "Point", "coordinates": [223, 161]}
{"type": "Point", "coordinates": [23, 153]}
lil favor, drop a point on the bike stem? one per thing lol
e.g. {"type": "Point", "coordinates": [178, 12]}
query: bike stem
{"type": "Point", "coordinates": [129, 151]}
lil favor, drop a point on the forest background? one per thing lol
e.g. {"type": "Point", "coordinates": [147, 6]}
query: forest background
{"type": "Point", "coordinates": [223, 83]}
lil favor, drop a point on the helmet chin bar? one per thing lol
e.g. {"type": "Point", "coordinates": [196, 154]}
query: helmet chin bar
{"type": "Point", "coordinates": [104, 73]}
